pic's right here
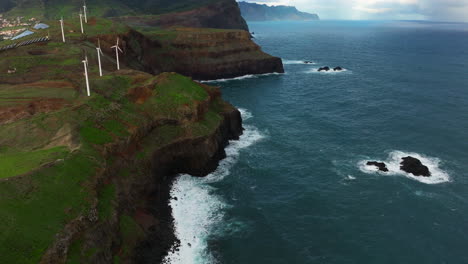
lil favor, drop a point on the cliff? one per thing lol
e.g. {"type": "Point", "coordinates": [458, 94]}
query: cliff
{"type": "Point", "coordinates": [258, 12]}
{"type": "Point", "coordinates": [221, 14]}
{"type": "Point", "coordinates": [193, 13]}
{"type": "Point", "coordinates": [200, 53]}
{"type": "Point", "coordinates": [87, 175]}
{"type": "Point", "coordinates": [79, 176]}
{"type": "Point", "coordinates": [86, 179]}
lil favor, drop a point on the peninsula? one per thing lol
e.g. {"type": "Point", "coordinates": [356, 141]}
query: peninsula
{"type": "Point", "coordinates": [86, 179]}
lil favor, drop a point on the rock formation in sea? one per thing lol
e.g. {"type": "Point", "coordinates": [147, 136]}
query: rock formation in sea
{"type": "Point", "coordinates": [414, 166]}
{"type": "Point", "coordinates": [380, 165]}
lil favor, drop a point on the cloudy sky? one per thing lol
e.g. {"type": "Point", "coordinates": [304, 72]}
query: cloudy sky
{"type": "Point", "coordinates": [438, 10]}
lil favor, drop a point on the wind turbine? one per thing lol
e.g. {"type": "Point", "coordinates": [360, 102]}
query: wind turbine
{"type": "Point", "coordinates": [85, 63]}
{"type": "Point", "coordinates": [63, 33]}
{"type": "Point", "coordinates": [99, 52]}
{"type": "Point", "coordinates": [81, 21]}
{"type": "Point", "coordinates": [117, 49]}
{"type": "Point", "coordinates": [85, 9]}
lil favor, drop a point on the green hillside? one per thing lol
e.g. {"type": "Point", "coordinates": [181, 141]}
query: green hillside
{"type": "Point", "coordinates": [52, 9]}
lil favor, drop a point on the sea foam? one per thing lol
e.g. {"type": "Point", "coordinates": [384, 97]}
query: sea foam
{"type": "Point", "coordinates": [393, 164]}
{"type": "Point", "coordinates": [331, 71]}
{"type": "Point", "coordinates": [198, 210]}
{"type": "Point", "coordinates": [248, 76]}
{"type": "Point", "coordinates": [297, 62]}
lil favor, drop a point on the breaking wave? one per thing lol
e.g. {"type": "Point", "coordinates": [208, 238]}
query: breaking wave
{"type": "Point", "coordinates": [331, 71]}
{"type": "Point", "coordinates": [248, 76]}
{"type": "Point", "coordinates": [198, 210]}
{"type": "Point", "coordinates": [393, 164]}
{"type": "Point", "coordinates": [298, 62]}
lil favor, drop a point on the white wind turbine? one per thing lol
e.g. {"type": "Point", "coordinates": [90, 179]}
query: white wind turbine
{"type": "Point", "coordinates": [85, 63]}
{"type": "Point", "coordinates": [85, 9]}
{"type": "Point", "coordinates": [117, 49]}
{"type": "Point", "coordinates": [99, 53]}
{"type": "Point", "coordinates": [63, 33]}
{"type": "Point", "coordinates": [81, 21]}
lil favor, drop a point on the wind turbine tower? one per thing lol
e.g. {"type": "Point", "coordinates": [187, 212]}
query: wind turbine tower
{"type": "Point", "coordinates": [81, 22]}
{"type": "Point", "coordinates": [85, 9]}
{"type": "Point", "coordinates": [63, 33]}
{"type": "Point", "coordinates": [117, 49]}
{"type": "Point", "coordinates": [85, 63]}
{"type": "Point", "coordinates": [99, 53]}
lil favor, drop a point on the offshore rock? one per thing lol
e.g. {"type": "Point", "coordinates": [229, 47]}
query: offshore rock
{"type": "Point", "coordinates": [380, 165]}
{"type": "Point", "coordinates": [414, 166]}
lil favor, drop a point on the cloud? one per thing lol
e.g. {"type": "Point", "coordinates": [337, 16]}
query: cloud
{"type": "Point", "coordinates": [441, 10]}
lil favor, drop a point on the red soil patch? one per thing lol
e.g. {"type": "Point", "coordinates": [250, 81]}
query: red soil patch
{"type": "Point", "coordinates": [28, 109]}
{"type": "Point", "coordinates": [139, 95]}
{"type": "Point", "coordinates": [92, 21]}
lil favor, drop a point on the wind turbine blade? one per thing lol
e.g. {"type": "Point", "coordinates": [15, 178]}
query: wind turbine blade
{"type": "Point", "coordinates": [113, 47]}
{"type": "Point", "coordinates": [120, 49]}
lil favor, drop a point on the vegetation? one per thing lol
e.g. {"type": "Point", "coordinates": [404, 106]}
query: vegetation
{"type": "Point", "coordinates": [52, 156]}
{"type": "Point", "coordinates": [18, 163]}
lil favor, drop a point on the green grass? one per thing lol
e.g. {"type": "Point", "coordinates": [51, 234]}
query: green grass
{"type": "Point", "coordinates": [34, 209]}
{"type": "Point", "coordinates": [91, 134]}
{"type": "Point", "coordinates": [37, 206]}
{"type": "Point", "coordinates": [130, 232]}
{"type": "Point", "coordinates": [174, 93]}
{"type": "Point", "coordinates": [205, 127]}
{"type": "Point", "coordinates": [22, 162]}
{"type": "Point", "coordinates": [106, 197]}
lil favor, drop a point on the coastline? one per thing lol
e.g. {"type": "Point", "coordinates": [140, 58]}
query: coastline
{"type": "Point", "coordinates": [162, 239]}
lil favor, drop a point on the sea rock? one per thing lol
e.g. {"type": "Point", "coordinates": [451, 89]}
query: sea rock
{"type": "Point", "coordinates": [381, 165]}
{"type": "Point", "coordinates": [414, 166]}
{"type": "Point", "coordinates": [326, 68]}
{"type": "Point", "coordinates": [308, 62]}
{"type": "Point", "coordinates": [338, 68]}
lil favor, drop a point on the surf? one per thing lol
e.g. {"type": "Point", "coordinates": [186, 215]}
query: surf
{"type": "Point", "coordinates": [197, 209]}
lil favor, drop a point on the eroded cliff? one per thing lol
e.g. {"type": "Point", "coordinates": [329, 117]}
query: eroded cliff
{"type": "Point", "coordinates": [203, 54]}
{"type": "Point", "coordinates": [114, 155]}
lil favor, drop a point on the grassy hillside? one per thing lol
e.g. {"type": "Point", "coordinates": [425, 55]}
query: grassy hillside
{"type": "Point", "coordinates": [51, 158]}
{"type": "Point", "coordinates": [53, 9]}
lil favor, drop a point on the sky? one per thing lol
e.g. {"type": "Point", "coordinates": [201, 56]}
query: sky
{"type": "Point", "coordinates": [435, 10]}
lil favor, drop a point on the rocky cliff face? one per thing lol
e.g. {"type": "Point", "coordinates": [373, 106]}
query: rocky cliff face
{"type": "Point", "coordinates": [203, 54]}
{"type": "Point", "coordinates": [222, 14]}
{"type": "Point", "coordinates": [258, 12]}
{"type": "Point", "coordinates": [144, 194]}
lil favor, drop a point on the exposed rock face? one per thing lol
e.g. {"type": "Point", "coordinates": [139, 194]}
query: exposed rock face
{"type": "Point", "coordinates": [201, 54]}
{"type": "Point", "coordinates": [338, 68]}
{"type": "Point", "coordinates": [145, 193]}
{"type": "Point", "coordinates": [257, 12]}
{"type": "Point", "coordinates": [224, 14]}
{"type": "Point", "coordinates": [380, 165]}
{"type": "Point", "coordinates": [414, 166]}
{"type": "Point", "coordinates": [326, 68]}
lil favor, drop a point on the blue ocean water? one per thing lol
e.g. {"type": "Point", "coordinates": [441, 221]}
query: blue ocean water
{"type": "Point", "coordinates": [294, 189]}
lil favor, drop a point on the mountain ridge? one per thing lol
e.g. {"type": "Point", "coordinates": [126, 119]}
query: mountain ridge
{"type": "Point", "coordinates": [263, 12]}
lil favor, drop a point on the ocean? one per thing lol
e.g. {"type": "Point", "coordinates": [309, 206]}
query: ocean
{"type": "Point", "coordinates": [295, 187]}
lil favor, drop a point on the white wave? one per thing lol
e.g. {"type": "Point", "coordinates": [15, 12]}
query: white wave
{"type": "Point", "coordinates": [197, 211]}
{"type": "Point", "coordinates": [297, 62]}
{"type": "Point", "coordinates": [248, 76]}
{"type": "Point", "coordinates": [331, 71]}
{"type": "Point", "coordinates": [393, 165]}
{"type": "Point", "coordinates": [246, 114]}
